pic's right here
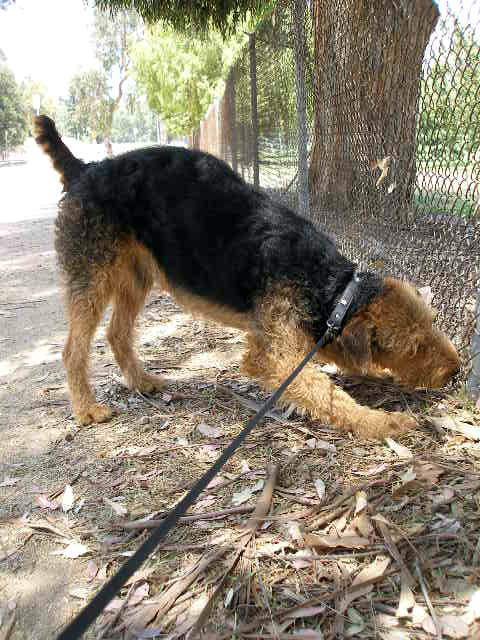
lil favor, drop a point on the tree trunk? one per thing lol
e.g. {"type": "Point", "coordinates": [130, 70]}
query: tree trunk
{"type": "Point", "coordinates": [368, 56]}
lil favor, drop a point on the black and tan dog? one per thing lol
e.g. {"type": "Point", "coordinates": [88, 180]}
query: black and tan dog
{"type": "Point", "coordinates": [185, 221]}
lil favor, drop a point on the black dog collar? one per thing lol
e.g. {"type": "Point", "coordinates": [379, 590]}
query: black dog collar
{"type": "Point", "coordinates": [335, 321]}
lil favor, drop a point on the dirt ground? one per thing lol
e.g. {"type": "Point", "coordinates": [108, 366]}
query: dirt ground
{"type": "Point", "coordinates": [362, 539]}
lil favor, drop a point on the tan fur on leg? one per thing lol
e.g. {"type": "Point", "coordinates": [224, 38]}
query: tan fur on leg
{"type": "Point", "coordinates": [133, 279]}
{"type": "Point", "coordinates": [272, 358]}
{"type": "Point", "coordinates": [84, 312]}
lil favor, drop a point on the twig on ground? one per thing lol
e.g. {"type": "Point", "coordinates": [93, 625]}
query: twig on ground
{"type": "Point", "coordinates": [435, 619]}
{"type": "Point", "coordinates": [151, 402]}
{"type": "Point", "coordinates": [251, 526]}
{"type": "Point", "coordinates": [265, 598]}
{"type": "Point", "coordinates": [202, 618]}
{"type": "Point", "coordinates": [265, 500]}
{"type": "Point", "coordinates": [117, 615]}
{"type": "Point", "coordinates": [209, 515]}
{"type": "Point", "coordinates": [325, 519]}
{"type": "Point", "coordinates": [9, 622]}
{"type": "Point", "coordinates": [59, 491]}
{"type": "Point", "coordinates": [171, 595]}
{"type": "Point", "coordinates": [251, 404]}
{"type": "Point", "coordinates": [395, 553]}
{"type": "Point", "coordinates": [312, 602]}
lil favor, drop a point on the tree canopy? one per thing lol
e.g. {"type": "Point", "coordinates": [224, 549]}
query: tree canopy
{"type": "Point", "coordinates": [194, 15]}
{"type": "Point", "coordinates": [113, 39]}
{"type": "Point", "coordinates": [29, 87]}
{"type": "Point", "coordinates": [182, 75]}
{"type": "Point", "coordinates": [450, 112]}
{"type": "Point", "coordinates": [13, 121]}
{"type": "Point", "coordinates": [87, 105]}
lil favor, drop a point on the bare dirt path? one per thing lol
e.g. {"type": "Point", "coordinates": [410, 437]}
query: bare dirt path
{"type": "Point", "coordinates": [40, 448]}
{"type": "Point", "coordinates": [31, 334]}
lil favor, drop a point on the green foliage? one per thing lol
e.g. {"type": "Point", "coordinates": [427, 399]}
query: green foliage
{"type": "Point", "coordinates": [47, 105]}
{"type": "Point", "coordinates": [137, 125]}
{"type": "Point", "coordinates": [450, 103]}
{"type": "Point", "coordinates": [182, 75]}
{"type": "Point", "coordinates": [13, 120]}
{"type": "Point", "coordinates": [191, 16]}
{"type": "Point", "coordinates": [88, 106]}
{"type": "Point", "coordinates": [113, 38]}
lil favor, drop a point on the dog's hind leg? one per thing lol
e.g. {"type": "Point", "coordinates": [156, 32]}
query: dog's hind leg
{"type": "Point", "coordinates": [84, 311]}
{"type": "Point", "coordinates": [133, 281]}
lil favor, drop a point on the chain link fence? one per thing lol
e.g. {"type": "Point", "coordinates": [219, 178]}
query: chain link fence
{"type": "Point", "coordinates": [375, 135]}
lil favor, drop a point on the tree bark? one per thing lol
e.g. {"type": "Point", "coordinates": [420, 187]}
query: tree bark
{"type": "Point", "coordinates": [368, 56]}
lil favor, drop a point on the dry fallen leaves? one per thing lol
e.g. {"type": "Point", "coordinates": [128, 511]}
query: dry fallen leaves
{"type": "Point", "coordinates": [452, 424]}
{"type": "Point", "coordinates": [67, 498]}
{"type": "Point", "coordinates": [8, 481]}
{"type": "Point", "coordinates": [373, 571]}
{"type": "Point", "coordinates": [45, 503]}
{"type": "Point", "coordinates": [73, 550]}
{"type": "Point", "coordinates": [320, 488]}
{"type": "Point", "coordinates": [207, 430]}
{"type": "Point", "coordinates": [331, 542]}
{"type": "Point", "coordinates": [117, 507]}
{"type": "Point", "coordinates": [240, 497]}
{"type": "Point", "coordinates": [399, 449]}
{"type": "Point", "coordinates": [420, 475]}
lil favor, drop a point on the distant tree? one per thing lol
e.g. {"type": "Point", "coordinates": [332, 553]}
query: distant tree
{"type": "Point", "coordinates": [4, 3]}
{"type": "Point", "coordinates": [30, 87]}
{"type": "Point", "coordinates": [181, 75]}
{"type": "Point", "coordinates": [450, 100]}
{"type": "Point", "coordinates": [134, 125]}
{"type": "Point", "coordinates": [3, 57]}
{"type": "Point", "coordinates": [112, 38]}
{"type": "Point", "coordinates": [88, 106]}
{"type": "Point", "coordinates": [13, 121]}
{"type": "Point", "coordinates": [194, 15]}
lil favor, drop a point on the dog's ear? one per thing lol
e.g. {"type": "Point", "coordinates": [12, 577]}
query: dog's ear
{"type": "Point", "coordinates": [355, 342]}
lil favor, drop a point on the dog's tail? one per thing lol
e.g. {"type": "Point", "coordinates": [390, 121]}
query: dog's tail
{"type": "Point", "coordinates": [46, 136]}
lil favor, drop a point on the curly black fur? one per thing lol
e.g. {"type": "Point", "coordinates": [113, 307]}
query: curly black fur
{"type": "Point", "coordinates": [211, 233]}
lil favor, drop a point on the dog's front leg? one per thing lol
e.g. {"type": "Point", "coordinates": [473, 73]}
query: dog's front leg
{"type": "Point", "coordinates": [313, 390]}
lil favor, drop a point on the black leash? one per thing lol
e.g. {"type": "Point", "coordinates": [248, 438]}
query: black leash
{"type": "Point", "coordinates": [93, 609]}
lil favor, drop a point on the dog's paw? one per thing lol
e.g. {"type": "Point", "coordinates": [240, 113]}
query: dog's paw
{"type": "Point", "coordinates": [381, 424]}
{"type": "Point", "coordinates": [94, 413]}
{"type": "Point", "coordinates": [400, 423]}
{"type": "Point", "coordinates": [149, 383]}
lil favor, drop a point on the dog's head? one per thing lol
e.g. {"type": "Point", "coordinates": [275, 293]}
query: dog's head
{"type": "Point", "coordinates": [396, 332]}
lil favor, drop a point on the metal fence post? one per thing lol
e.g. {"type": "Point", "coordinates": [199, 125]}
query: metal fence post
{"type": "Point", "coordinates": [473, 380]}
{"type": "Point", "coordinates": [233, 119]}
{"type": "Point", "coordinates": [218, 143]}
{"type": "Point", "coordinates": [298, 12]}
{"type": "Point", "coordinates": [253, 98]}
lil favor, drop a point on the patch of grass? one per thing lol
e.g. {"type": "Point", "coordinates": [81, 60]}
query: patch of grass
{"type": "Point", "coordinates": [438, 202]}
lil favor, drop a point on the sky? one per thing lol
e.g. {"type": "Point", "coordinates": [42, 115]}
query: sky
{"type": "Point", "coordinates": [48, 40]}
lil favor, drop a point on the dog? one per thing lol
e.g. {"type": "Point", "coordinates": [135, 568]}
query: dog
{"type": "Point", "coordinates": [184, 221]}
